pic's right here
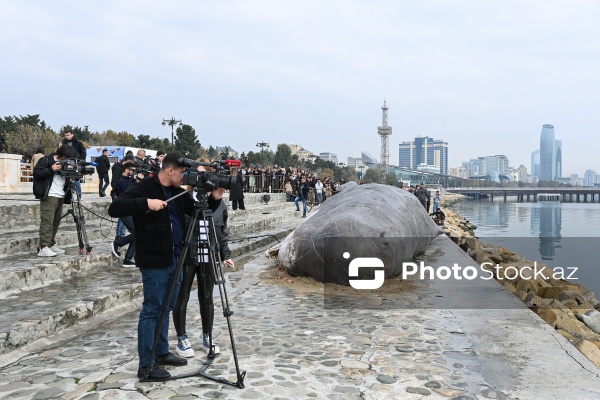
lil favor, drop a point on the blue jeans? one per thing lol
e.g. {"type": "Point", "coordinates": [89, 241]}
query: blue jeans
{"type": "Point", "coordinates": [435, 207]}
{"type": "Point", "coordinates": [319, 197]}
{"type": "Point", "coordinates": [103, 178]}
{"type": "Point", "coordinates": [303, 203]}
{"type": "Point", "coordinates": [78, 187]}
{"type": "Point", "coordinates": [123, 241]}
{"type": "Point", "coordinates": [120, 231]}
{"type": "Point", "coordinates": [156, 282]}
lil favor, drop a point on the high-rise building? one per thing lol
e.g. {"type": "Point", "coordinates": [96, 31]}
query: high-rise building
{"type": "Point", "coordinates": [424, 151]}
{"type": "Point", "coordinates": [535, 163]}
{"type": "Point", "coordinates": [550, 154]}
{"type": "Point", "coordinates": [489, 164]}
{"type": "Point", "coordinates": [558, 159]}
{"type": "Point", "coordinates": [590, 178]}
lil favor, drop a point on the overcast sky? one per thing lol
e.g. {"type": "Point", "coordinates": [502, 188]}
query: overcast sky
{"type": "Point", "coordinates": [483, 76]}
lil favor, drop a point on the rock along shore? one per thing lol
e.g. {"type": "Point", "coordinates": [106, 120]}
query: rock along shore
{"type": "Point", "coordinates": [569, 308]}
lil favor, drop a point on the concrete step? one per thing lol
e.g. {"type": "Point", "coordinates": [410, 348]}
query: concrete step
{"type": "Point", "coordinates": [44, 296]}
{"type": "Point", "coordinates": [23, 211]}
{"type": "Point", "coordinates": [26, 240]}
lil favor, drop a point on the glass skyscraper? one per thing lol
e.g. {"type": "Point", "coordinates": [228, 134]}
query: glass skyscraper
{"type": "Point", "coordinates": [424, 151]}
{"type": "Point", "coordinates": [550, 154]}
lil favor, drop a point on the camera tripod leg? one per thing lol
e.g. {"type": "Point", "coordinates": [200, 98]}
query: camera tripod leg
{"type": "Point", "coordinates": [80, 225]}
{"type": "Point", "coordinates": [215, 259]}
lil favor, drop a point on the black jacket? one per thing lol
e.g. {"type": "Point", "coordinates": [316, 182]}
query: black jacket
{"type": "Point", "coordinates": [103, 165]}
{"type": "Point", "coordinates": [153, 231]}
{"type": "Point", "coordinates": [77, 146]}
{"type": "Point", "coordinates": [220, 215]}
{"type": "Point", "coordinates": [117, 172]}
{"type": "Point", "coordinates": [43, 174]}
{"type": "Point", "coordinates": [236, 191]}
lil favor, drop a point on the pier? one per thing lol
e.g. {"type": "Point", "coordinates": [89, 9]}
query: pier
{"type": "Point", "coordinates": [565, 195]}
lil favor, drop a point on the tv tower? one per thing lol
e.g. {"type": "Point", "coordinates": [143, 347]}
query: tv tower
{"type": "Point", "coordinates": [384, 131]}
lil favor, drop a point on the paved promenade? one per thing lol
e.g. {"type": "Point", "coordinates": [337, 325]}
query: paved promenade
{"type": "Point", "coordinates": [293, 347]}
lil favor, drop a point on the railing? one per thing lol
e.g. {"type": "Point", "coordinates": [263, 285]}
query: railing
{"type": "Point", "coordinates": [25, 172]}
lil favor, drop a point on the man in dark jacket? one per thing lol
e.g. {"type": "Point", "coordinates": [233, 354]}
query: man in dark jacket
{"type": "Point", "coordinates": [117, 171]}
{"type": "Point", "coordinates": [79, 148]}
{"type": "Point", "coordinates": [303, 191]}
{"type": "Point", "coordinates": [423, 195]}
{"type": "Point", "coordinates": [50, 188]}
{"type": "Point", "coordinates": [159, 232]}
{"type": "Point", "coordinates": [102, 170]}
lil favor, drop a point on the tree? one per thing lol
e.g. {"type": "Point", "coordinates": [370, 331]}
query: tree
{"type": "Point", "coordinates": [390, 179]}
{"type": "Point", "coordinates": [373, 175]}
{"type": "Point", "coordinates": [187, 142]}
{"type": "Point", "coordinates": [143, 141]}
{"type": "Point", "coordinates": [283, 155]}
{"type": "Point", "coordinates": [24, 139]}
{"type": "Point", "coordinates": [345, 174]}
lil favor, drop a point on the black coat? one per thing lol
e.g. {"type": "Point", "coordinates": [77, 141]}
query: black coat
{"type": "Point", "coordinates": [153, 231]}
{"type": "Point", "coordinates": [103, 165]}
{"type": "Point", "coordinates": [236, 191]}
{"type": "Point", "coordinates": [117, 172]}
{"type": "Point", "coordinates": [77, 146]}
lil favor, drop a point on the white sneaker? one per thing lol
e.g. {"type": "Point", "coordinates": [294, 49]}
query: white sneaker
{"type": "Point", "coordinates": [184, 347]}
{"type": "Point", "coordinates": [57, 250]}
{"type": "Point", "coordinates": [46, 252]}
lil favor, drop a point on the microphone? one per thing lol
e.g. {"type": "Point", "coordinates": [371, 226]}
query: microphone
{"type": "Point", "coordinates": [231, 163]}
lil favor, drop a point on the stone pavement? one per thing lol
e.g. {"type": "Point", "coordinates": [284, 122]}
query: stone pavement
{"type": "Point", "coordinates": [293, 347]}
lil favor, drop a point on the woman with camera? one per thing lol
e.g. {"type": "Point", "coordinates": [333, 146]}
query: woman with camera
{"type": "Point", "coordinates": [199, 265]}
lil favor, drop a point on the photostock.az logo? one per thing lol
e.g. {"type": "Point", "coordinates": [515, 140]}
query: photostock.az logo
{"type": "Point", "coordinates": [365, 262]}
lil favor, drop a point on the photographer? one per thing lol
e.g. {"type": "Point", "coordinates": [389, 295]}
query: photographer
{"type": "Point", "coordinates": [126, 180]}
{"type": "Point", "coordinates": [140, 158]}
{"type": "Point", "coordinates": [51, 188]}
{"type": "Point", "coordinates": [117, 171]}
{"type": "Point", "coordinates": [102, 170]}
{"type": "Point", "coordinates": [158, 236]}
{"type": "Point", "coordinates": [198, 264]}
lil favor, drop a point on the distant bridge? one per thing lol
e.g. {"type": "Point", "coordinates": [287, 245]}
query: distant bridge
{"type": "Point", "coordinates": [578, 195]}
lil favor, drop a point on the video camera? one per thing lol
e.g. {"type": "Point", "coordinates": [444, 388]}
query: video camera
{"type": "Point", "coordinates": [153, 164]}
{"type": "Point", "coordinates": [209, 180]}
{"type": "Point", "coordinates": [73, 168]}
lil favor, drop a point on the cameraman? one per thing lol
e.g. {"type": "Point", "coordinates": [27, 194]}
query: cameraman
{"type": "Point", "coordinates": [158, 237]}
{"type": "Point", "coordinates": [140, 158]}
{"type": "Point", "coordinates": [117, 171]}
{"type": "Point", "coordinates": [79, 148]}
{"type": "Point", "coordinates": [51, 188]}
{"type": "Point", "coordinates": [199, 265]}
{"type": "Point", "coordinates": [120, 241]}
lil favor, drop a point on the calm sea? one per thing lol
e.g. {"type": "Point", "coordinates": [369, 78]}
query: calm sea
{"type": "Point", "coordinates": [565, 235]}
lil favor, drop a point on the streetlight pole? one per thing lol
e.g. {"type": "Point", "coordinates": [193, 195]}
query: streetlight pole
{"type": "Point", "coordinates": [262, 145]}
{"type": "Point", "coordinates": [172, 122]}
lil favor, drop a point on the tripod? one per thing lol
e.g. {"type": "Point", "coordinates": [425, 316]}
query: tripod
{"type": "Point", "coordinates": [201, 211]}
{"type": "Point", "coordinates": [77, 212]}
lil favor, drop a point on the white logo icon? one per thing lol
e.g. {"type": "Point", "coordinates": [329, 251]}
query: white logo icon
{"type": "Point", "coordinates": [365, 262]}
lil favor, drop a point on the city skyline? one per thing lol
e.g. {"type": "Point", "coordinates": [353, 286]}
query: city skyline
{"type": "Point", "coordinates": [476, 75]}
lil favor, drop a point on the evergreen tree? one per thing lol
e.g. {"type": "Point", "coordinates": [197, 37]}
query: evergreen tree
{"type": "Point", "coordinates": [187, 142]}
{"type": "Point", "coordinates": [283, 155]}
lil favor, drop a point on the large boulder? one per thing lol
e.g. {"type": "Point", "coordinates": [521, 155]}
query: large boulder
{"type": "Point", "coordinates": [363, 221]}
